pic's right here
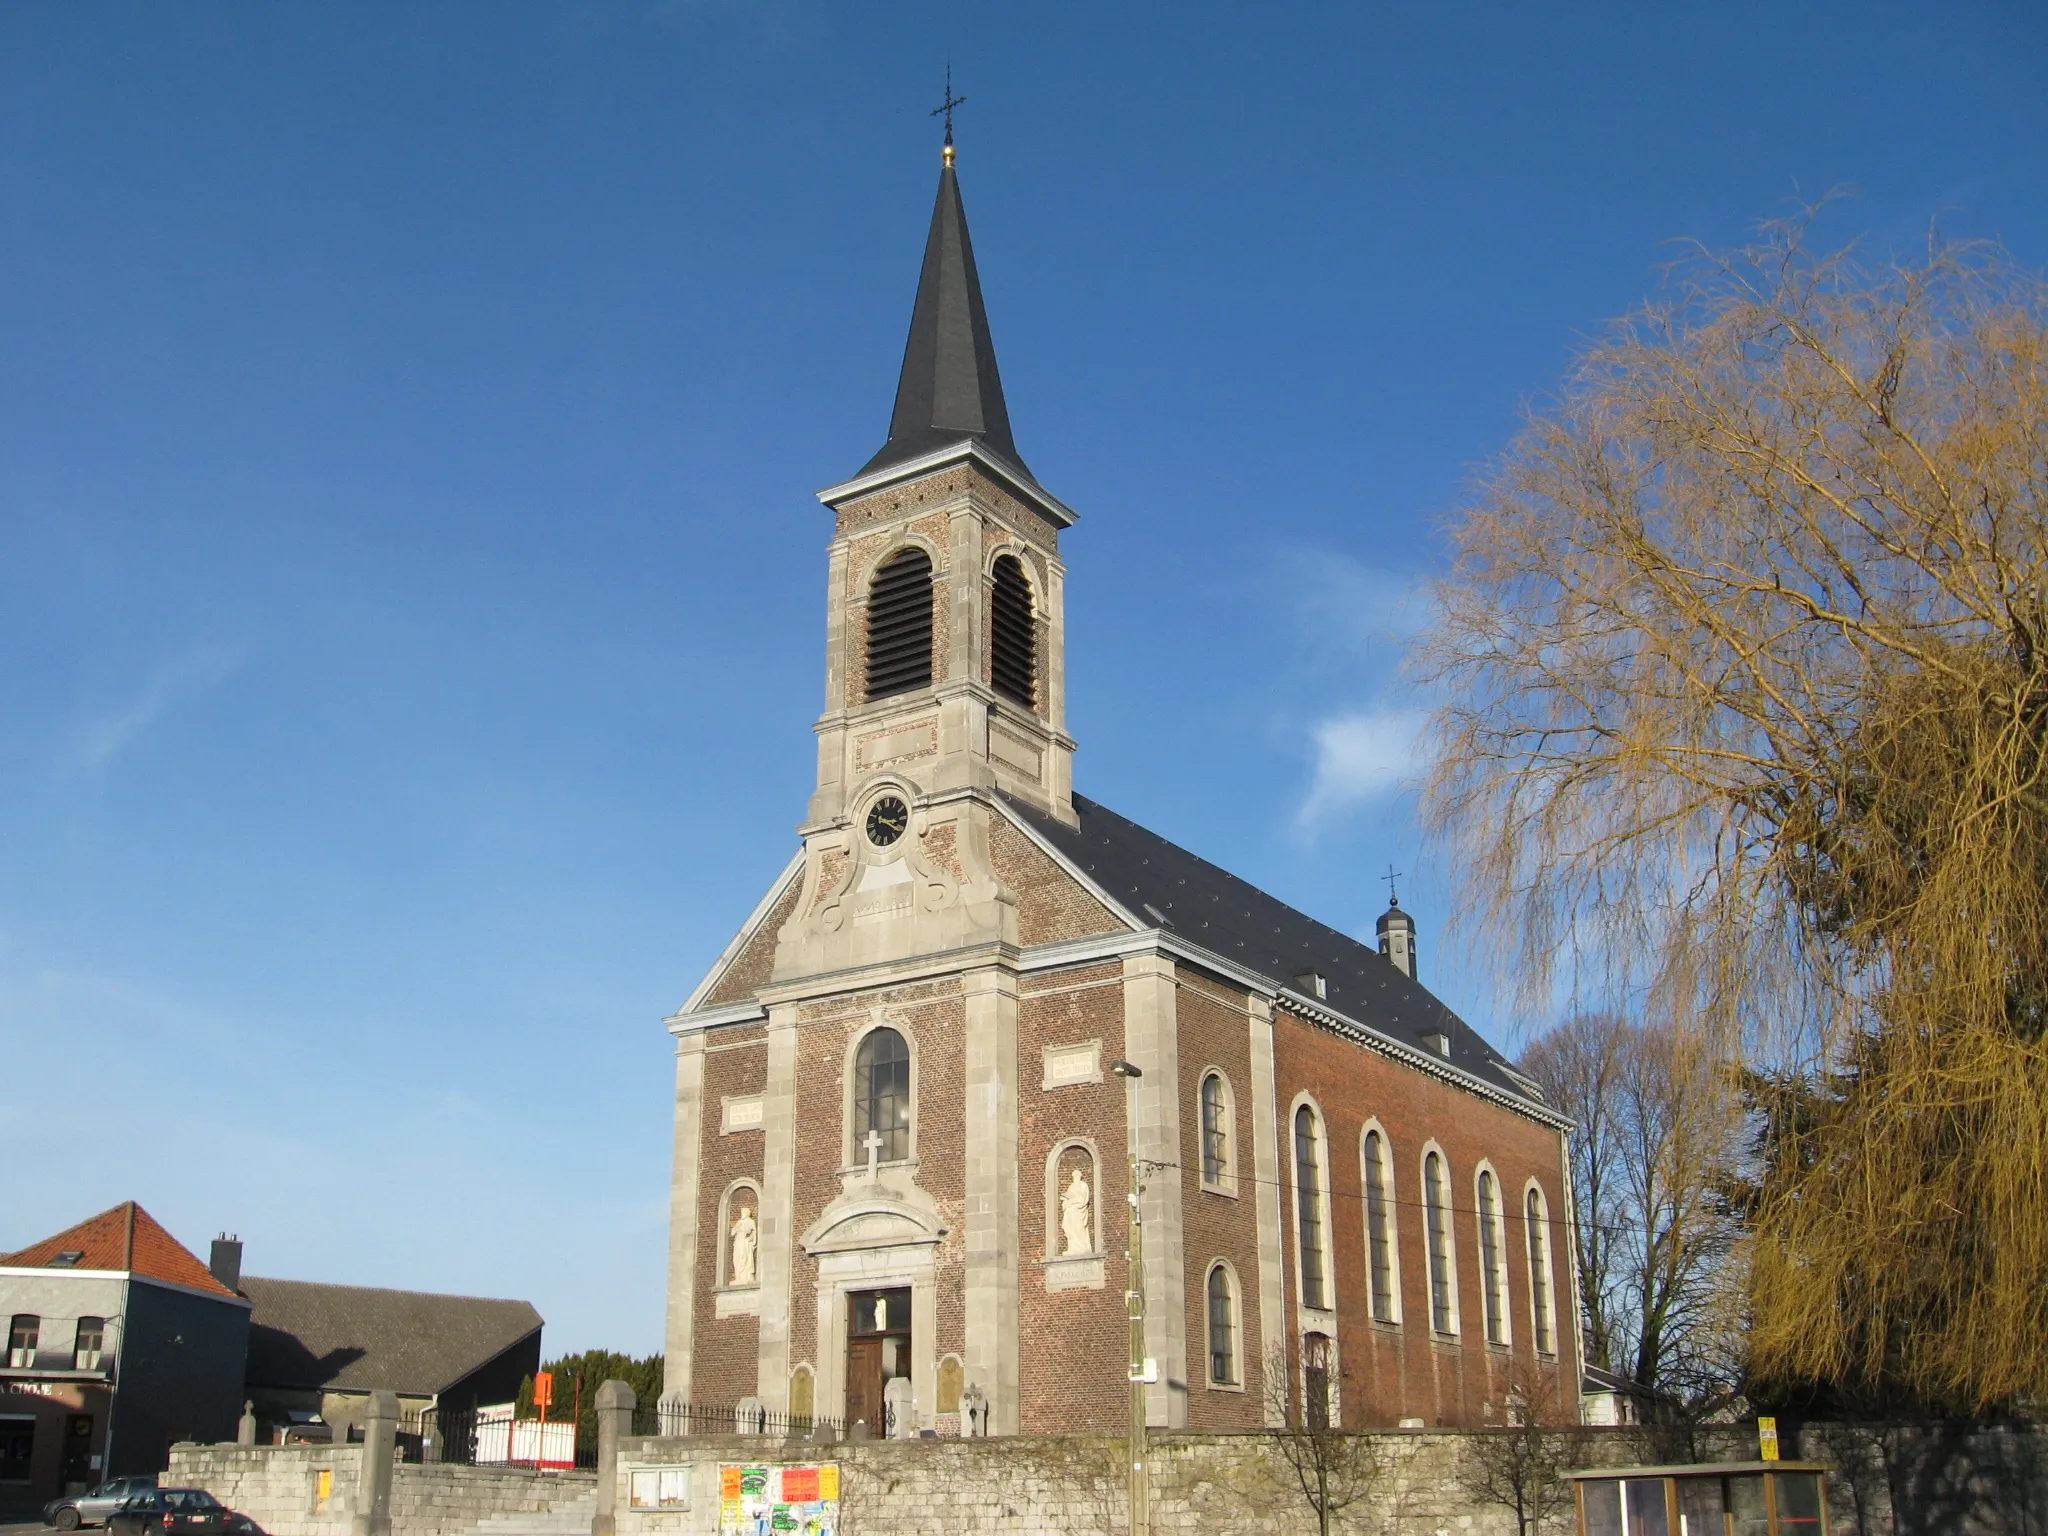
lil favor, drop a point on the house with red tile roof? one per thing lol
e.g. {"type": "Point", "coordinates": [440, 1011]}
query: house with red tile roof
{"type": "Point", "coordinates": [120, 1341]}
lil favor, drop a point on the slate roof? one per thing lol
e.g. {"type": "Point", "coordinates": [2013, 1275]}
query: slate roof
{"type": "Point", "coordinates": [949, 389]}
{"type": "Point", "coordinates": [124, 1238]}
{"type": "Point", "coordinates": [358, 1338]}
{"type": "Point", "coordinates": [1160, 882]}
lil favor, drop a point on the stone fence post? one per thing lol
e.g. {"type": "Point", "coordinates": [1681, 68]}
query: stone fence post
{"type": "Point", "coordinates": [380, 1447]}
{"type": "Point", "coordinates": [614, 1423]}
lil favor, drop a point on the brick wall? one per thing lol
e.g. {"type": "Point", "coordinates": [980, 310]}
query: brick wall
{"type": "Point", "coordinates": [727, 1356]}
{"type": "Point", "coordinates": [1075, 1342]}
{"type": "Point", "coordinates": [1214, 1025]}
{"type": "Point", "coordinates": [1394, 1372]}
{"type": "Point", "coordinates": [1050, 906]}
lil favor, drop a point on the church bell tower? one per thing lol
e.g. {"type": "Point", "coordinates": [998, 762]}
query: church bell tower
{"type": "Point", "coordinates": [945, 646]}
{"type": "Point", "coordinates": [945, 638]}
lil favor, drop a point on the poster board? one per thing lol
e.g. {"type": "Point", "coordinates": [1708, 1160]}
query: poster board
{"type": "Point", "coordinates": [778, 1501]}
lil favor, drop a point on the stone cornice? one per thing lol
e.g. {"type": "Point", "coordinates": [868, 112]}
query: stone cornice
{"type": "Point", "coordinates": [966, 450]}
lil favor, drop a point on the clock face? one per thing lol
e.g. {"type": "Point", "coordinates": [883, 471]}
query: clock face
{"type": "Point", "coordinates": [887, 820]}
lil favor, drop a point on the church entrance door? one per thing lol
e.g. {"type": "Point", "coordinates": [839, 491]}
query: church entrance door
{"type": "Point", "coordinates": [877, 1352]}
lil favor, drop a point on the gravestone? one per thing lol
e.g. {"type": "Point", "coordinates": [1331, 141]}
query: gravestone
{"type": "Point", "coordinates": [901, 1408]}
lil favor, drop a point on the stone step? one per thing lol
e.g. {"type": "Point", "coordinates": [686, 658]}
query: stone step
{"type": "Point", "coordinates": [571, 1518]}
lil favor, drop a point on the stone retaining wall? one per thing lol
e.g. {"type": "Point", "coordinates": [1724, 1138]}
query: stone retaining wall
{"type": "Point", "coordinates": [279, 1488]}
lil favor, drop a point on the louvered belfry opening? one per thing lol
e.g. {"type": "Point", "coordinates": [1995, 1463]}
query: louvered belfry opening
{"type": "Point", "coordinates": [1013, 662]}
{"type": "Point", "coordinates": [900, 625]}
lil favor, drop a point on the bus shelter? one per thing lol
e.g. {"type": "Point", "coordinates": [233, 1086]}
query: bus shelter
{"type": "Point", "coordinates": [1729, 1498]}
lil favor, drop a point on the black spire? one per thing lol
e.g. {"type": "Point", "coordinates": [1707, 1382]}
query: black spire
{"type": "Point", "coordinates": [949, 389]}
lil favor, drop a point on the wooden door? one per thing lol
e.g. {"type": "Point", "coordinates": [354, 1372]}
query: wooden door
{"type": "Point", "coordinates": [864, 1383]}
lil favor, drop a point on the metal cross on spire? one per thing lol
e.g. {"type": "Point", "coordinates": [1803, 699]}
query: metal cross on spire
{"type": "Point", "coordinates": [1390, 877]}
{"type": "Point", "coordinates": [946, 107]}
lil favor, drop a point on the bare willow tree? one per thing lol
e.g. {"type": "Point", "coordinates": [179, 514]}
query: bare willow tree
{"type": "Point", "coordinates": [1653, 1157]}
{"type": "Point", "coordinates": [1747, 707]}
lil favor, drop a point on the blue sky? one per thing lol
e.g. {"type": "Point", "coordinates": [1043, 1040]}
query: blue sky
{"type": "Point", "coordinates": [410, 577]}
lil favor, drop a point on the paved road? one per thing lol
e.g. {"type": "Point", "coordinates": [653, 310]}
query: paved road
{"type": "Point", "coordinates": [38, 1529]}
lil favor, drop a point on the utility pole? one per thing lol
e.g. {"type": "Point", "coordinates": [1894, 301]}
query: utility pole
{"type": "Point", "coordinates": [1134, 1298]}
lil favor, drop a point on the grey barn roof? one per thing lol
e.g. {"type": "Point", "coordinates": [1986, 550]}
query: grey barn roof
{"type": "Point", "coordinates": [358, 1338]}
{"type": "Point", "coordinates": [949, 389]}
{"type": "Point", "coordinates": [1234, 919]}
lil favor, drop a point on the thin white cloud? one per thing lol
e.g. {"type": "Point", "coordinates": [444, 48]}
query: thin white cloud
{"type": "Point", "coordinates": [1355, 608]}
{"type": "Point", "coordinates": [103, 737]}
{"type": "Point", "coordinates": [1361, 757]}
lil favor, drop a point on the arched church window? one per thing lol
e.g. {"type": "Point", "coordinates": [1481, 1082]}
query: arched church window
{"type": "Point", "coordinates": [1378, 1235]}
{"type": "Point", "coordinates": [1436, 1199]}
{"type": "Point", "coordinates": [881, 1097]}
{"type": "Point", "coordinates": [900, 625]}
{"type": "Point", "coordinates": [1216, 1130]}
{"type": "Point", "coordinates": [1492, 1259]}
{"type": "Point", "coordinates": [1308, 1195]}
{"type": "Point", "coordinates": [1222, 1327]}
{"type": "Point", "coordinates": [1013, 634]}
{"type": "Point", "coordinates": [1539, 1269]}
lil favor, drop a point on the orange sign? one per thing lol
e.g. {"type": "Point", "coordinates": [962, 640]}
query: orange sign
{"type": "Point", "coordinates": [799, 1485]}
{"type": "Point", "coordinates": [729, 1482]}
{"type": "Point", "coordinates": [544, 1389]}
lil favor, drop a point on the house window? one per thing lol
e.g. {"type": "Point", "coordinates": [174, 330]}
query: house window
{"type": "Point", "coordinates": [1222, 1328]}
{"type": "Point", "coordinates": [1216, 1128]}
{"type": "Point", "coordinates": [22, 1335]}
{"type": "Point", "coordinates": [1492, 1276]}
{"type": "Point", "coordinates": [1013, 634]}
{"type": "Point", "coordinates": [86, 1347]}
{"type": "Point", "coordinates": [900, 625]}
{"type": "Point", "coordinates": [1539, 1269]}
{"type": "Point", "coordinates": [1308, 1194]}
{"type": "Point", "coordinates": [1437, 1226]}
{"type": "Point", "coordinates": [881, 1096]}
{"type": "Point", "coordinates": [1378, 1239]}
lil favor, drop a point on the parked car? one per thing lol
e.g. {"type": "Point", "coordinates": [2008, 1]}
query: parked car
{"type": "Point", "coordinates": [93, 1506]}
{"type": "Point", "coordinates": [179, 1511]}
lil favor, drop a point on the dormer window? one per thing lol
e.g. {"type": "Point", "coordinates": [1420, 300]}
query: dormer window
{"type": "Point", "coordinates": [900, 625]}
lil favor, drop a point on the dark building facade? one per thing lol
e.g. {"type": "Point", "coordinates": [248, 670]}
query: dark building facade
{"type": "Point", "coordinates": [120, 1342]}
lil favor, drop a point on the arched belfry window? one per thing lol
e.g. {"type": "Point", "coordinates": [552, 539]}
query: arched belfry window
{"type": "Point", "coordinates": [900, 625]}
{"type": "Point", "coordinates": [881, 1097]}
{"type": "Point", "coordinates": [1013, 634]}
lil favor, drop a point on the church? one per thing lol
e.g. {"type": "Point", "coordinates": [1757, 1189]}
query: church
{"type": "Point", "coordinates": [913, 1091]}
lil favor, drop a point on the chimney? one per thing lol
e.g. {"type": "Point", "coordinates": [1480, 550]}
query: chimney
{"type": "Point", "coordinates": [1397, 938]}
{"type": "Point", "coordinates": [226, 1262]}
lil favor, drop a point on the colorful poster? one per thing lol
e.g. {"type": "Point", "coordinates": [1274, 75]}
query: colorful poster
{"type": "Point", "coordinates": [778, 1501]}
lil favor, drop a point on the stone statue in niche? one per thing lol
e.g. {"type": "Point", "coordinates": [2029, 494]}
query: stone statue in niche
{"type": "Point", "coordinates": [1075, 1227]}
{"type": "Point", "coordinates": [740, 1265]}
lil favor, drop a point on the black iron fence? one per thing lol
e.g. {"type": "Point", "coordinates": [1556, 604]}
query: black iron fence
{"type": "Point", "coordinates": [482, 1437]}
{"type": "Point", "coordinates": [668, 1418]}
